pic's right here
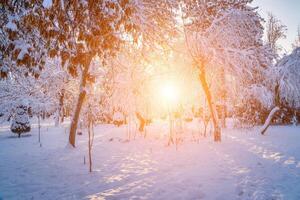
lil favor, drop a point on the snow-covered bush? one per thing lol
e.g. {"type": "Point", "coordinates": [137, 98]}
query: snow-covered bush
{"type": "Point", "coordinates": [20, 123]}
{"type": "Point", "coordinates": [287, 72]}
{"type": "Point", "coordinates": [284, 78]}
{"type": "Point", "coordinates": [254, 105]}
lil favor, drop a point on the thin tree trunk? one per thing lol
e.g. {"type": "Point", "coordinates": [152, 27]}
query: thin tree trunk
{"type": "Point", "coordinates": [269, 119]}
{"type": "Point", "coordinates": [80, 101]}
{"type": "Point", "coordinates": [217, 132]}
{"type": "Point", "coordinates": [90, 146]}
{"type": "Point", "coordinates": [273, 111]}
{"type": "Point", "coordinates": [61, 105]}
{"type": "Point", "coordinates": [57, 115]}
{"type": "Point", "coordinates": [39, 126]}
{"type": "Point", "coordinates": [171, 140]}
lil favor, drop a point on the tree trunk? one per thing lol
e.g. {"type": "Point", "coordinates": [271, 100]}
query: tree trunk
{"type": "Point", "coordinates": [80, 101]}
{"type": "Point", "coordinates": [269, 119]}
{"type": "Point", "coordinates": [171, 139]}
{"type": "Point", "coordinates": [57, 115]}
{"type": "Point", "coordinates": [90, 146]}
{"type": "Point", "coordinates": [61, 105]}
{"type": "Point", "coordinates": [273, 111]}
{"type": "Point", "coordinates": [39, 126]}
{"type": "Point", "coordinates": [217, 131]}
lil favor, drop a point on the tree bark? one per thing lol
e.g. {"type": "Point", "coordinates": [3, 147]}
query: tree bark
{"type": "Point", "coordinates": [269, 119]}
{"type": "Point", "coordinates": [80, 101]}
{"type": "Point", "coordinates": [217, 131]}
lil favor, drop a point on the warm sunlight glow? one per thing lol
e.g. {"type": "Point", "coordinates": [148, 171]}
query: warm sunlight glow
{"type": "Point", "coordinates": [170, 93]}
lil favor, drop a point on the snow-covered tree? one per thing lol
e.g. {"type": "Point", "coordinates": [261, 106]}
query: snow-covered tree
{"type": "Point", "coordinates": [225, 34]}
{"type": "Point", "coordinates": [21, 47]}
{"type": "Point", "coordinates": [20, 122]}
{"type": "Point", "coordinates": [40, 94]}
{"type": "Point", "coordinates": [296, 43]}
{"type": "Point", "coordinates": [76, 32]}
{"type": "Point", "coordinates": [275, 31]}
{"type": "Point", "coordinates": [286, 84]}
{"type": "Point", "coordinates": [288, 72]}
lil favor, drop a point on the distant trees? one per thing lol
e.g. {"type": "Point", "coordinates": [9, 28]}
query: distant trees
{"type": "Point", "coordinates": [41, 95]}
{"type": "Point", "coordinates": [275, 30]}
{"type": "Point", "coordinates": [296, 43]}
{"type": "Point", "coordinates": [49, 51]}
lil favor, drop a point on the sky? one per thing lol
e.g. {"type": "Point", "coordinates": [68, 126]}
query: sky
{"type": "Point", "coordinates": [288, 11]}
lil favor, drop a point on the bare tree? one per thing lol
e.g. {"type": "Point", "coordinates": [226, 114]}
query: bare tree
{"type": "Point", "coordinates": [296, 43]}
{"type": "Point", "coordinates": [276, 30]}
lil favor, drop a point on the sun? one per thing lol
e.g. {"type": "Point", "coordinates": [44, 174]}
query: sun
{"type": "Point", "coordinates": [170, 93]}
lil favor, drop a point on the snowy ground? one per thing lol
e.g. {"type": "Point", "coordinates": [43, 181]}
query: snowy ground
{"type": "Point", "coordinates": [245, 165]}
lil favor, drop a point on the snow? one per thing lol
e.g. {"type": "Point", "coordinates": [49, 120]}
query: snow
{"type": "Point", "coordinates": [118, 116]}
{"type": "Point", "coordinates": [47, 3]}
{"type": "Point", "coordinates": [245, 165]}
{"type": "Point", "coordinates": [12, 26]}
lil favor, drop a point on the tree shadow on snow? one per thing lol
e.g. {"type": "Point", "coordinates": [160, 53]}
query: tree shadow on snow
{"type": "Point", "coordinates": [22, 136]}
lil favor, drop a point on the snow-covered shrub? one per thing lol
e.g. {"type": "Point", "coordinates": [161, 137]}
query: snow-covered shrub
{"type": "Point", "coordinates": [284, 77]}
{"type": "Point", "coordinates": [254, 105]}
{"type": "Point", "coordinates": [287, 73]}
{"type": "Point", "coordinates": [251, 112]}
{"type": "Point", "coordinates": [20, 123]}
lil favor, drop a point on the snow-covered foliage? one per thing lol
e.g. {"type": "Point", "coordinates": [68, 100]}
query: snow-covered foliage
{"type": "Point", "coordinates": [287, 72]}
{"type": "Point", "coordinates": [129, 83]}
{"type": "Point", "coordinates": [261, 94]}
{"type": "Point", "coordinates": [41, 94]}
{"type": "Point", "coordinates": [20, 122]}
{"type": "Point", "coordinates": [232, 38]}
{"type": "Point", "coordinates": [253, 104]}
{"type": "Point", "coordinates": [92, 108]}
{"type": "Point", "coordinates": [21, 47]}
{"type": "Point", "coordinates": [224, 36]}
{"type": "Point", "coordinates": [155, 23]}
{"type": "Point", "coordinates": [57, 56]}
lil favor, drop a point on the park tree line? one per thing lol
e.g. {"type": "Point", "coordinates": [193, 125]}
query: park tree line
{"type": "Point", "coordinates": [90, 59]}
